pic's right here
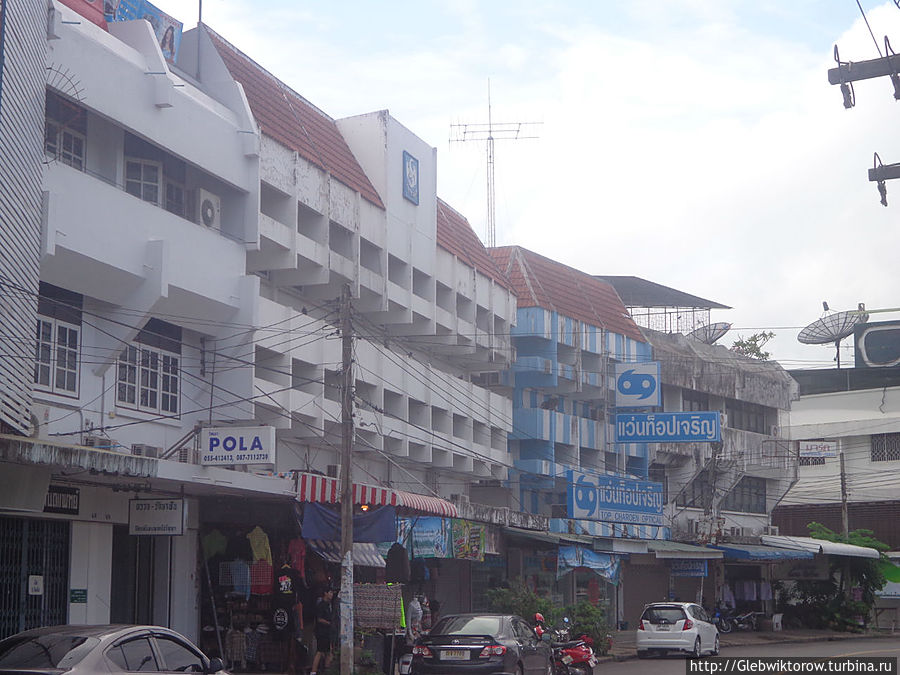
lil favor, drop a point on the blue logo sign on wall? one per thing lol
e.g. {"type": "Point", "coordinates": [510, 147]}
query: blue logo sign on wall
{"type": "Point", "coordinates": [410, 178]}
{"type": "Point", "coordinates": [669, 427]}
{"type": "Point", "coordinates": [637, 385]}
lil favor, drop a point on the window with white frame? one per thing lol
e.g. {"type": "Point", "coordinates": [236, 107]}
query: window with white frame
{"type": "Point", "coordinates": [143, 179]}
{"type": "Point", "coordinates": [176, 198]}
{"type": "Point", "coordinates": [57, 340]}
{"type": "Point", "coordinates": [149, 370]}
{"type": "Point", "coordinates": [65, 130]}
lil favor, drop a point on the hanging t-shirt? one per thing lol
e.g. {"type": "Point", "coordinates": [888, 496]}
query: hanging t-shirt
{"type": "Point", "coordinates": [214, 543]}
{"type": "Point", "coordinates": [287, 584]}
{"type": "Point", "coordinates": [297, 556]}
{"type": "Point", "coordinates": [261, 578]}
{"type": "Point", "coordinates": [259, 542]}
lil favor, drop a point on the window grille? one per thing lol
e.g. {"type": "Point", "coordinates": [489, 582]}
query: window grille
{"type": "Point", "coordinates": [812, 461]}
{"type": "Point", "coordinates": [885, 447]}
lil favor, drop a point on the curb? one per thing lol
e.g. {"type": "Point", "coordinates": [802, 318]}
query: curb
{"type": "Point", "coordinates": [793, 639]}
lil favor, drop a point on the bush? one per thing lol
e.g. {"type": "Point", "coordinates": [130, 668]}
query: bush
{"type": "Point", "coordinates": [518, 599]}
{"type": "Point", "coordinates": [584, 618]}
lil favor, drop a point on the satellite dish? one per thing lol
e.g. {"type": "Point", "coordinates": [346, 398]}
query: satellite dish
{"type": "Point", "coordinates": [833, 328]}
{"type": "Point", "coordinates": [711, 332]}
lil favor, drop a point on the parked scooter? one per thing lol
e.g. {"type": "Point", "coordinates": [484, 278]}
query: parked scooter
{"type": "Point", "coordinates": [745, 621]}
{"type": "Point", "coordinates": [722, 619]}
{"type": "Point", "coordinates": [569, 656]}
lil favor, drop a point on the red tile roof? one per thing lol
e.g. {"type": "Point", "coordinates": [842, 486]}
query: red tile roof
{"type": "Point", "coordinates": [454, 234]}
{"type": "Point", "coordinates": [541, 282]}
{"type": "Point", "coordinates": [293, 121]}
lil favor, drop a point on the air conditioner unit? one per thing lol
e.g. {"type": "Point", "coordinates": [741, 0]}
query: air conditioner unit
{"type": "Point", "coordinates": [209, 209]}
{"type": "Point", "coordinates": [770, 530]}
{"type": "Point", "coordinates": [92, 441]}
{"type": "Point", "coordinates": [142, 450]}
{"type": "Point", "coordinates": [40, 418]}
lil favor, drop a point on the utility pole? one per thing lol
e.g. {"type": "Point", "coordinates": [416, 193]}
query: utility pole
{"type": "Point", "coordinates": [489, 133]}
{"type": "Point", "coordinates": [346, 597]}
{"type": "Point", "coordinates": [845, 525]}
{"type": "Point", "coordinates": [711, 506]}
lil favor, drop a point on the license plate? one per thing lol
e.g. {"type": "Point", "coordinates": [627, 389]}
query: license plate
{"type": "Point", "coordinates": [592, 662]}
{"type": "Point", "coordinates": [663, 627]}
{"type": "Point", "coordinates": [454, 654]}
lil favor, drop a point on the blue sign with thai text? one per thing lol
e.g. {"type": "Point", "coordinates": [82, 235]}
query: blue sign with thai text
{"type": "Point", "coordinates": [614, 500]}
{"type": "Point", "coordinates": [681, 567]}
{"type": "Point", "coordinates": [669, 427]}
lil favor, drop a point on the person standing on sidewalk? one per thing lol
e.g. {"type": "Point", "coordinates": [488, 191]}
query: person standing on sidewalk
{"type": "Point", "coordinates": [324, 623]}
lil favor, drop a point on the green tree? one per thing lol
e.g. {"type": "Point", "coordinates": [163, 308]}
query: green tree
{"type": "Point", "coordinates": [753, 345]}
{"type": "Point", "coordinates": [826, 603]}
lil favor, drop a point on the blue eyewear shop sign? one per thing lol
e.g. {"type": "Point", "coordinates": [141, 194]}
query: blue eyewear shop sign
{"type": "Point", "coordinates": [615, 500]}
{"type": "Point", "coordinates": [668, 427]}
{"type": "Point", "coordinates": [637, 385]}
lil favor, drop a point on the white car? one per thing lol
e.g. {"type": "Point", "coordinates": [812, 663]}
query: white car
{"type": "Point", "coordinates": [676, 626]}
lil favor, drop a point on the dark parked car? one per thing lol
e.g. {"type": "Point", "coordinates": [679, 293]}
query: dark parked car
{"type": "Point", "coordinates": [103, 649]}
{"type": "Point", "coordinates": [482, 643]}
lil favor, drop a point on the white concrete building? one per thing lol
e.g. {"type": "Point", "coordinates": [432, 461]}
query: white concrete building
{"type": "Point", "coordinates": [199, 222]}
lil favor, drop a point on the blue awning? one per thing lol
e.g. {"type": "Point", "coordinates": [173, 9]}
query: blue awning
{"type": "Point", "coordinates": [760, 553]}
{"type": "Point", "coordinates": [364, 554]}
{"type": "Point", "coordinates": [603, 564]}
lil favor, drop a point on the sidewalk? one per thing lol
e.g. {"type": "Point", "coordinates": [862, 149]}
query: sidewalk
{"type": "Point", "coordinates": [624, 641]}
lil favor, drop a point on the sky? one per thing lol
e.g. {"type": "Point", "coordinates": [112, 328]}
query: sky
{"type": "Point", "coordinates": [694, 143]}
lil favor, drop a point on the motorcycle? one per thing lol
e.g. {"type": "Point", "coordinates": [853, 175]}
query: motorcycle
{"type": "Point", "coordinates": [569, 656]}
{"type": "Point", "coordinates": [745, 621]}
{"type": "Point", "coordinates": [722, 620]}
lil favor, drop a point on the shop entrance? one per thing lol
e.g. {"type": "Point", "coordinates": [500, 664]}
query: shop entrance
{"type": "Point", "coordinates": [132, 577]}
{"type": "Point", "coordinates": [34, 574]}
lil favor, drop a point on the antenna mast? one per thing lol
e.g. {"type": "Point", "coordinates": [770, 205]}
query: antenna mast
{"type": "Point", "coordinates": [513, 131]}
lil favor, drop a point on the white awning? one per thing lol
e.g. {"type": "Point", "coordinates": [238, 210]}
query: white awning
{"type": "Point", "coordinates": [665, 549]}
{"type": "Point", "coordinates": [819, 546]}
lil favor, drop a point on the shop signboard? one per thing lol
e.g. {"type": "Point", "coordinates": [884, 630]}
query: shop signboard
{"type": "Point", "coordinates": [467, 539]}
{"type": "Point", "coordinates": [429, 536]}
{"type": "Point", "coordinates": [614, 500]}
{"type": "Point", "coordinates": [637, 385]}
{"type": "Point", "coordinates": [62, 499]}
{"type": "Point", "coordinates": [815, 568]}
{"type": "Point", "coordinates": [890, 590]}
{"type": "Point", "coordinates": [669, 427]}
{"type": "Point", "coordinates": [226, 446]}
{"type": "Point", "coordinates": [818, 448]}
{"type": "Point", "coordinates": [156, 517]}
{"type": "Point", "coordinates": [685, 567]}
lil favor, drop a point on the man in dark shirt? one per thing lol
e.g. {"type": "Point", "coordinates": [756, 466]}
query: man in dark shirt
{"type": "Point", "coordinates": [324, 620]}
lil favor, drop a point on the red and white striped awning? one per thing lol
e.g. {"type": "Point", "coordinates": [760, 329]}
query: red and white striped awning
{"type": "Point", "coordinates": [435, 505]}
{"type": "Point", "coordinates": [324, 489]}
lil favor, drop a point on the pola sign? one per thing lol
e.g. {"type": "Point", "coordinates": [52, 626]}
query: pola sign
{"type": "Point", "coordinates": [224, 446]}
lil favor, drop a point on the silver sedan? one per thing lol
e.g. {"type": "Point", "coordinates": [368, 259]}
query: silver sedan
{"type": "Point", "coordinates": [103, 649]}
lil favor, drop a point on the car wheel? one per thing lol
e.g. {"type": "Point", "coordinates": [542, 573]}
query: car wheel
{"type": "Point", "coordinates": [642, 653]}
{"type": "Point", "coordinates": [715, 651]}
{"type": "Point", "coordinates": [695, 654]}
